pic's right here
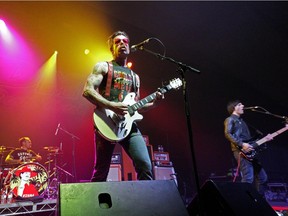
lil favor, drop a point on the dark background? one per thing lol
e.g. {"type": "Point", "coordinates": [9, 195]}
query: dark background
{"type": "Point", "coordinates": [239, 47]}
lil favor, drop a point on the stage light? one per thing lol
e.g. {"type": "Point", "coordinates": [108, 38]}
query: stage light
{"type": "Point", "coordinates": [47, 74]}
{"type": "Point", "coordinates": [4, 30]}
{"type": "Point", "coordinates": [56, 52]}
{"type": "Point", "coordinates": [2, 25]}
{"type": "Point", "coordinates": [86, 51]}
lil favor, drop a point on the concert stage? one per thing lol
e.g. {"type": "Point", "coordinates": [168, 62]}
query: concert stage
{"type": "Point", "coordinates": [48, 208]}
{"type": "Point", "coordinates": [280, 207]}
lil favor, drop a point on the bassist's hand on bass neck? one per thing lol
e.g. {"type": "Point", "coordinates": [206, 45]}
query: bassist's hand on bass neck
{"type": "Point", "coordinates": [249, 151]}
{"type": "Point", "coordinates": [246, 147]}
{"type": "Point", "coordinates": [268, 137]}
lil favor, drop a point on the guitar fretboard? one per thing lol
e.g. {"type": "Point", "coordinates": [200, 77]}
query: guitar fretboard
{"type": "Point", "coordinates": [263, 140]}
{"type": "Point", "coordinates": [149, 98]}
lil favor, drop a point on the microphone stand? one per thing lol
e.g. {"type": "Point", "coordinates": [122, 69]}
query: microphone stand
{"type": "Point", "coordinates": [182, 68]}
{"type": "Point", "coordinates": [74, 137]}
{"type": "Point", "coordinates": [264, 111]}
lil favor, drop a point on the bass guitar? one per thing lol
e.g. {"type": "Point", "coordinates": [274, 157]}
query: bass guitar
{"type": "Point", "coordinates": [252, 154]}
{"type": "Point", "coordinates": [114, 127]}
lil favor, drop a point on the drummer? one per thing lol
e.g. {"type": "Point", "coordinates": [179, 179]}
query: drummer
{"type": "Point", "coordinates": [23, 154]}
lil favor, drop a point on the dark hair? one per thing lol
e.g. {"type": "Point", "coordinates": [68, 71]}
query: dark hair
{"type": "Point", "coordinates": [231, 106]}
{"type": "Point", "coordinates": [115, 34]}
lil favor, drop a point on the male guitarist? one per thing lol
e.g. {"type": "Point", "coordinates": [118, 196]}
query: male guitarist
{"type": "Point", "coordinates": [238, 134]}
{"type": "Point", "coordinates": [106, 87]}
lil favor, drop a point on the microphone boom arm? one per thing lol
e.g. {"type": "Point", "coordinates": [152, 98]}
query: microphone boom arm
{"type": "Point", "coordinates": [181, 65]}
{"type": "Point", "coordinates": [264, 111]}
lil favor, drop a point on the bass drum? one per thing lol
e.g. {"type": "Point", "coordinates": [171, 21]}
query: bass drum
{"type": "Point", "coordinates": [27, 180]}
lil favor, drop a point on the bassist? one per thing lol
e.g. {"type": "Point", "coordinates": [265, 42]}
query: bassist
{"type": "Point", "coordinates": [237, 131]}
{"type": "Point", "coordinates": [106, 87]}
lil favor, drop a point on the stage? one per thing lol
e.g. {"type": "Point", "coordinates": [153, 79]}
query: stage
{"type": "Point", "coordinates": [46, 207]}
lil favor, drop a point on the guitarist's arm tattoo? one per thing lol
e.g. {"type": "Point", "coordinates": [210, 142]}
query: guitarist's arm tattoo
{"type": "Point", "coordinates": [93, 82]}
{"type": "Point", "coordinates": [92, 94]}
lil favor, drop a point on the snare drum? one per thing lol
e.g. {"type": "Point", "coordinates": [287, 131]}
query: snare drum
{"type": "Point", "coordinates": [27, 180]}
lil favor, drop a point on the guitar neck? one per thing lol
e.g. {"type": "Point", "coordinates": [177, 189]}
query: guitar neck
{"type": "Point", "coordinates": [149, 98]}
{"type": "Point", "coordinates": [263, 140]}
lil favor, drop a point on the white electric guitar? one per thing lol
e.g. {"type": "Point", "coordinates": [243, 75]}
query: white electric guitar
{"type": "Point", "coordinates": [114, 127]}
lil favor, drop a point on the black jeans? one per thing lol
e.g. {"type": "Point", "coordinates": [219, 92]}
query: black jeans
{"type": "Point", "coordinates": [252, 171]}
{"type": "Point", "coordinates": [134, 145]}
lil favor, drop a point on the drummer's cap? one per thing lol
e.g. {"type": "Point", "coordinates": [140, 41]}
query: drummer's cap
{"type": "Point", "coordinates": [22, 139]}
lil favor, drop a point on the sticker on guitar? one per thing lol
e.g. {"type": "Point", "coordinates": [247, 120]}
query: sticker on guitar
{"type": "Point", "coordinates": [114, 127]}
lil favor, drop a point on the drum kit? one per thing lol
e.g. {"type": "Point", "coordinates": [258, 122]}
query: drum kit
{"type": "Point", "coordinates": [31, 179]}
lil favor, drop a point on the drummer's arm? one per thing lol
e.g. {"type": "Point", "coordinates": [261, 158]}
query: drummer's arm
{"type": "Point", "coordinates": [10, 160]}
{"type": "Point", "coordinates": [36, 157]}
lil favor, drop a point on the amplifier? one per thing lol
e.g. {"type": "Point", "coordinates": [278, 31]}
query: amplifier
{"type": "Point", "coordinates": [163, 163]}
{"type": "Point", "coordinates": [164, 173]}
{"type": "Point", "coordinates": [116, 158]}
{"type": "Point", "coordinates": [114, 173]}
{"type": "Point", "coordinates": [161, 156]}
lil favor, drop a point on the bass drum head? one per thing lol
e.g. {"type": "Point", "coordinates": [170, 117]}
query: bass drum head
{"type": "Point", "coordinates": [27, 180]}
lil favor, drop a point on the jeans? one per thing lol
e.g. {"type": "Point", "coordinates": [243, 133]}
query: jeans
{"type": "Point", "coordinates": [134, 145]}
{"type": "Point", "coordinates": [252, 171]}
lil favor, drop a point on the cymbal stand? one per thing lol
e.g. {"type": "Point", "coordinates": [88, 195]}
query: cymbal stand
{"type": "Point", "coordinates": [52, 191]}
{"type": "Point", "coordinates": [74, 138]}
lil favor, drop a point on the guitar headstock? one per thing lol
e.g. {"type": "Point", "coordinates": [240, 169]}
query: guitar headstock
{"type": "Point", "coordinates": [175, 83]}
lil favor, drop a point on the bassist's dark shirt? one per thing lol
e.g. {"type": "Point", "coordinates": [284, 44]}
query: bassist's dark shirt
{"type": "Point", "coordinates": [236, 131]}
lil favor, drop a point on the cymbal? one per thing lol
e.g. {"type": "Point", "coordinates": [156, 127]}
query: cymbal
{"type": "Point", "coordinates": [6, 148]}
{"type": "Point", "coordinates": [55, 153]}
{"type": "Point", "coordinates": [51, 148]}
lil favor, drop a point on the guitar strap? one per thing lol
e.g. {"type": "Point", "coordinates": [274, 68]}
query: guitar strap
{"type": "Point", "coordinates": [109, 79]}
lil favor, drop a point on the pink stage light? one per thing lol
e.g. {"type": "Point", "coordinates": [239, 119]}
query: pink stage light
{"type": "Point", "coordinates": [2, 25]}
{"type": "Point", "coordinates": [17, 62]}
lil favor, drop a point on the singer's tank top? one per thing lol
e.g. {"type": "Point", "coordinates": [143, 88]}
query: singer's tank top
{"type": "Point", "coordinates": [122, 82]}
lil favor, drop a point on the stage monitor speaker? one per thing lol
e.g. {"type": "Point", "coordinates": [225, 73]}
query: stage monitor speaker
{"type": "Point", "coordinates": [141, 198]}
{"type": "Point", "coordinates": [229, 199]}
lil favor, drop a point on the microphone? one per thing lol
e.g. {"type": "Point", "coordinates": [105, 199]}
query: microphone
{"type": "Point", "coordinates": [57, 129]}
{"type": "Point", "coordinates": [250, 108]}
{"type": "Point", "coordinates": [139, 45]}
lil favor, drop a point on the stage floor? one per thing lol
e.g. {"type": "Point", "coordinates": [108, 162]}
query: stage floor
{"type": "Point", "coordinates": [46, 207]}
{"type": "Point", "coordinates": [280, 207]}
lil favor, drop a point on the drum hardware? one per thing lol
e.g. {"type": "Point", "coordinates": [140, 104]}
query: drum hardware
{"type": "Point", "coordinates": [52, 149]}
{"type": "Point", "coordinates": [4, 167]}
{"type": "Point", "coordinates": [50, 161]}
{"type": "Point", "coordinates": [74, 139]}
{"type": "Point", "coordinates": [54, 171]}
